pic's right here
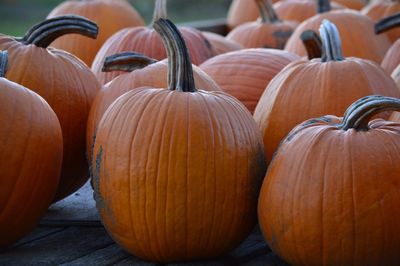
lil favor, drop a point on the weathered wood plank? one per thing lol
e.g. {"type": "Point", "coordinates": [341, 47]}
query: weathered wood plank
{"type": "Point", "coordinates": [270, 259]}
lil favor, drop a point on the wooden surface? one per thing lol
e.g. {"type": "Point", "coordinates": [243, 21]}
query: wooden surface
{"type": "Point", "coordinates": [71, 234]}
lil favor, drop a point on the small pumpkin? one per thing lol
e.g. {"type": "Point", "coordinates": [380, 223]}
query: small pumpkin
{"type": "Point", "coordinates": [64, 81]}
{"type": "Point", "coordinates": [392, 57]}
{"type": "Point", "coordinates": [327, 85]}
{"type": "Point", "coordinates": [246, 73]}
{"type": "Point", "coordinates": [30, 158]}
{"type": "Point", "coordinates": [181, 182]}
{"type": "Point", "coordinates": [110, 15]}
{"type": "Point", "coordinates": [330, 196]}
{"type": "Point", "coordinates": [221, 44]}
{"type": "Point", "coordinates": [269, 32]}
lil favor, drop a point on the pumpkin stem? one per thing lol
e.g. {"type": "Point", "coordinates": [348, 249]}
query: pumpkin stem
{"type": "Point", "coordinates": [387, 23]}
{"type": "Point", "coordinates": [3, 63]}
{"type": "Point", "coordinates": [267, 12]}
{"type": "Point", "coordinates": [313, 44]}
{"type": "Point", "coordinates": [160, 10]}
{"type": "Point", "coordinates": [361, 112]}
{"type": "Point", "coordinates": [44, 33]}
{"type": "Point", "coordinates": [180, 70]}
{"type": "Point", "coordinates": [331, 43]}
{"type": "Point", "coordinates": [127, 62]}
{"type": "Point", "coordinates": [323, 6]}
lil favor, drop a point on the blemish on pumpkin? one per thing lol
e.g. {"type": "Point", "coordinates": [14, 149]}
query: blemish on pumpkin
{"type": "Point", "coordinates": [96, 181]}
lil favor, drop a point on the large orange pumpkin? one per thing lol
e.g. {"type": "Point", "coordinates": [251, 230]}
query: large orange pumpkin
{"type": "Point", "coordinates": [392, 57]}
{"type": "Point", "coordinates": [246, 73]}
{"type": "Point", "coordinates": [177, 170]}
{"type": "Point", "coordinates": [64, 81]}
{"type": "Point", "coordinates": [356, 30]}
{"type": "Point", "coordinates": [146, 41]}
{"type": "Point", "coordinates": [306, 89]}
{"type": "Point", "coordinates": [330, 196]}
{"type": "Point", "coordinates": [269, 32]}
{"type": "Point", "coordinates": [144, 72]}
{"type": "Point", "coordinates": [30, 158]}
{"type": "Point", "coordinates": [110, 15]}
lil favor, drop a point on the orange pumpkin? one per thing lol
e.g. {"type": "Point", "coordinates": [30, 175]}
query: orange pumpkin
{"type": "Point", "coordinates": [356, 30]}
{"type": "Point", "coordinates": [110, 15]}
{"type": "Point", "coordinates": [181, 182]}
{"type": "Point", "coordinates": [330, 196]}
{"type": "Point", "coordinates": [246, 73]}
{"type": "Point", "coordinates": [392, 57]}
{"type": "Point", "coordinates": [306, 89]}
{"type": "Point", "coordinates": [352, 4]}
{"type": "Point", "coordinates": [269, 32]}
{"type": "Point", "coordinates": [144, 72]}
{"type": "Point", "coordinates": [64, 81]}
{"type": "Point", "coordinates": [145, 40]}
{"type": "Point", "coordinates": [30, 158]}
{"type": "Point", "coordinates": [221, 44]}
{"type": "Point", "coordinates": [396, 76]}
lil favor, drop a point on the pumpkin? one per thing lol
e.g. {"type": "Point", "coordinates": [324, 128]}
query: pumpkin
{"type": "Point", "coordinates": [110, 15]}
{"type": "Point", "coordinates": [356, 30]}
{"type": "Point", "coordinates": [378, 10]}
{"type": "Point", "coordinates": [30, 158]}
{"type": "Point", "coordinates": [396, 76]}
{"type": "Point", "coordinates": [142, 72]}
{"type": "Point", "coordinates": [220, 44]}
{"type": "Point", "coordinates": [246, 73]}
{"type": "Point", "coordinates": [307, 89]}
{"type": "Point", "coordinates": [352, 4]}
{"type": "Point", "coordinates": [64, 81]}
{"type": "Point", "coordinates": [145, 40]}
{"type": "Point", "coordinates": [181, 182]}
{"type": "Point", "coordinates": [269, 32]}
{"type": "Point", "coordinates": [392, 57]}
{"type": "Point", "coordinates": [330, 196]}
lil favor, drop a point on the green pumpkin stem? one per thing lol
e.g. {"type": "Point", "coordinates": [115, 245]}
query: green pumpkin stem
{"type": "Point", "coordinates": [361, 112]}
{"type": "Point", "coordinates": [160, 10]}
{"type": "Point", "coordinates": [267, 12]}
{"type": "Point", "coordinates": [127, 62]}
{"type": "Point", "coordinates": [323, 6]}
{"type": "Point", "coordinates": [387, 23]}
{"type": "Point", "coordinates": [44, 33]}
{"type": "Point", "coordinates": [3, 63]}
{"type": "Point", "coordinates": [313, 44]}
{"type": "Point", "coordinates": [180, 70]}
{"type": "Point", "coordinates": [331, 43]}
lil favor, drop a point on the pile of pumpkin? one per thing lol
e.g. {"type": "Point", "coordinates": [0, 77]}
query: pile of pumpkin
{"type": "Point", "coordinates": [178, 172]}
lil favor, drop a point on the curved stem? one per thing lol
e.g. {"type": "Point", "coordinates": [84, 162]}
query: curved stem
{"type": "Point", "coordinates": [44, 33]}
{"type": "Point", "coordinates": [387, 23]}
{"type": "Point", "coordinates": [331, 43]}
{"type": "Point", "coordinates": [267, 12]}
{"type": "Point", "coordinates": [128, 62]}
{"type": "Point", "coordinates": [180, 70]}
{"type": "Point", "coordinates": [361, 112]}
{"type": "Point", "coordinates": [160, 10]}
{"type": "Point", "coordinates": [323, 6]}
{"type": "Point", "coordinates": [3, 63]}
{"type": "Point", "coordinates": [313, 44]}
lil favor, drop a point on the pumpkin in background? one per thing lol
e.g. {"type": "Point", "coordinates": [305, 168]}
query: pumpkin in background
{"type": "Point", "coordinates": [356, 30]}
{"type": "Point", "coordinates": [330, 196]}
{"type": "Point", "coordinates": [327, 85]}
{"type": "Point", "coordinates": [142, 72]}
{"type": "Point", "coordinates": [380, 9]}
{"type": "Point", "coordinates": [146, 41]}
{"type": "Point", "coordinates": [352, 4]}
{"type": "Point", "coordinates": [30, 158]}
{"type": "Point", "coordinates": [110, 15]}
{"type": "Point", "coordinates": [64, 81]}
{"type": "Point", "coordinates": [242, 11]}
{"type": "Point", "coordinates": [221, 44]}
{"type": "Point", "coordinates": [269, 32]}
{"type": "Point", "coordinates": [184, 176]}
{"type": "Point", "coordinates": [392, 57]}
{"type": "Point", "coordinates": [246, 73]}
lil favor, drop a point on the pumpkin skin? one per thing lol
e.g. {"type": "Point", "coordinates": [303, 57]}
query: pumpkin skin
{"type": "Point", "coordinates": [352, 4]}
{"type": "Point", "coordinates": [175, 196]}
{"type": "Point", "coordinates": [220, 44]}
{"type": "Point", "coordinates": [307, 89]}
{"type": "Point", "coordinates": [392, 57]}
{"type": "Point", "coordinates": [110, 15]}
{"type": "Point", "coordinates": [69, 87]}
{"type": "Point", "coordinates": [154, 75]}
{"type": "Point", "coordinates": [356, 30]}
{"type": "Point", "coordinates": [30, 159]}
{"type": "Point", "coordinates": [324, 201]}
{"type": "Point", "coordinates": [245, 74]}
